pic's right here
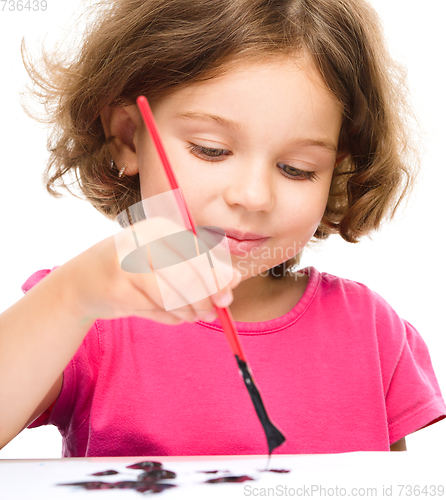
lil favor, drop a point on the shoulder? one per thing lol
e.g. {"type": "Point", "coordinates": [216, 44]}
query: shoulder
{"type": "Point", "coordinates": [353, 294]}
{"type": "Point", "coordinates": [360, 311]}
{"type": "Point", "coordinates": [90, 346]}
{"type": "Point", "coordinates": [363, 313]}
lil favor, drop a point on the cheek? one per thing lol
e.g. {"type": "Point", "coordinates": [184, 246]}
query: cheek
{"type": "Point", "coordinates": [195, 177]}
{"type": "Point", "coordinates": [304, 211]}
{"type": "Point", "coordinates": [153, 179]}
{"type": "Point", "coordinates": [319, 197]}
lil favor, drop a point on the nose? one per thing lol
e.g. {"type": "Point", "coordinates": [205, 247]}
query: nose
{"type": "Point", "coordinates": [251, 185]}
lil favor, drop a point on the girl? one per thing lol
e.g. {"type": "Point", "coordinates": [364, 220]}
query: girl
{"type": "Point", "coordinates": [283, 121]}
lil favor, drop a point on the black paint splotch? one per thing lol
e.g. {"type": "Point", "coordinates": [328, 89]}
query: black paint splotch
{"type": "Point", "coordinates": [159, 487]}
{"type": "Point", "coordinates": [90, 485]}
{"type": "Point", "coordinates": [125, 485]}
{"type": "Point", "coordinates": [277, 471]}
{"type": "Point", "coordinates": [145, 465]}
{"type": "Point", "coordinates": [156, 474]}
{"type": "Point", "coordinates": [143, 486]}
{"type": "Point", "coordinates": [149, 479]}
{"type": "Point", "coordinates": [106, 473]}
{"type": "Point", "coordinates": [140, 486]}
{"type": "Point", "coordinates": [230, 479]}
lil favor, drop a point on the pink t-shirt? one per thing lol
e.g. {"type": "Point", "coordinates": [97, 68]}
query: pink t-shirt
{"type": "Point", "coordinates": [340, 372]}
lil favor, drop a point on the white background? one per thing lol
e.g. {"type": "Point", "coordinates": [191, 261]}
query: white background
{"type": "Point", "coordinates": [403, 262]}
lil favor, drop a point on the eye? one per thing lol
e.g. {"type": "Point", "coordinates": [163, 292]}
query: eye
{"type": "Point", "coordinates": [214, 154]}
{"type": "Point", "coordinates": [296, 173]}
{"type": "Point", "coordinates": [209, 154]}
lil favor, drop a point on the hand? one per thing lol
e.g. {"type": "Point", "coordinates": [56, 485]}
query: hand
{"type": "Point", "coordinates": [100, 288]}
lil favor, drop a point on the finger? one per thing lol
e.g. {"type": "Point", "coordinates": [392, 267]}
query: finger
{"type": "Point", "coordinates": [190, 275]}
{"type": "Point", "coordinates": [187, 247]}
{"type": "Point", "coordinates": [173, 293]}
{"type": "Point", "coordinates": [147, 307]}
{"type": "Point", "coordinates": [181, 248]}
{"type": "Point", "coordinates": [159, 316]}
{"type": "Point", "coordinates": [160, 288]}
{"type": "Point", "coordinates": [154, 233]}
{"type": "Point", "coordinates": [148, 287]}
{"type": "Point", "coordinates": [225, 296]}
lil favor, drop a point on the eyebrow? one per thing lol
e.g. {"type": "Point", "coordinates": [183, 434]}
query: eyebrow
{"type": "Point", "coordinates": [326, 144]}
{"type": "Point", "coordinates": [204, 116]}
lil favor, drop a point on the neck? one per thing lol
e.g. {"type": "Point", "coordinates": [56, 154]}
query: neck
{"type": "Point", "coordinates": [262, 298]}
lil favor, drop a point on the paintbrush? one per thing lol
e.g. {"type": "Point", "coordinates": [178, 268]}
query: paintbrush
{"type": "Point", "coordinates": [273, 435]}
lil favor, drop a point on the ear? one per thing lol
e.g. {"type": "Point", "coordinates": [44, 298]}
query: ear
{"type": "Point", "coordinates": [122, 123]}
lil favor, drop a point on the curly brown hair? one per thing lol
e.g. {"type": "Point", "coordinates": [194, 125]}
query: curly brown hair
{"type": "Point", "coordinates": [151, 47]}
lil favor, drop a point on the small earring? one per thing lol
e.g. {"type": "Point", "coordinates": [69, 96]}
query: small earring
{"type": "Point", "coordinates": [122, 170]}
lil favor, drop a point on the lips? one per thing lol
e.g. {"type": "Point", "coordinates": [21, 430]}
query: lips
{"type": "Point", "coordinates": [242, 235]}
{"type": "Point", "coordinates": [241, 242]}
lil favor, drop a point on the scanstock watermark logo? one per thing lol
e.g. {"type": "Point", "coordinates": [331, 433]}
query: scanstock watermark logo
{"type": "Point", "coordinates": [156, 240]}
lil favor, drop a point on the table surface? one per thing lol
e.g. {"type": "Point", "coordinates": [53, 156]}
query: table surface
{"type": "Point", "coordinates": [39, 479]}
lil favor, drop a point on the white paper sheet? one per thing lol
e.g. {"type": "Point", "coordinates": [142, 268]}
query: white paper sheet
{"type": "Point", "coordinates": [373, 474]}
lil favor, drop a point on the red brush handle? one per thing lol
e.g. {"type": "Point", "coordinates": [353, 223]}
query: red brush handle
{"type": "Point", "coordinates": [224, 314]}
{"type": "Point", "coordinates": [152, 127]}
{"type": "Point", "coordinates": [227, 322]}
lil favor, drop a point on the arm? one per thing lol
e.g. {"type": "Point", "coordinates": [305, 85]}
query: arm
{"type": "Point", "coordinates": [39, 335]}
{"type": "Point", "coordinates": [399, 445]}
{"type": "Point", "coordinates": [47, 401]}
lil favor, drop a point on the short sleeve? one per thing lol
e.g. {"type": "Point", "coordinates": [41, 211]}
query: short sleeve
{"type": "Point", "coordinates": [413, 398]}
{"type": "Point", "coordinates": [35, 278]}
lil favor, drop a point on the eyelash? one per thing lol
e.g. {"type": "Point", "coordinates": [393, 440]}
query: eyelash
{"type": "Point", "coordinates": [208, 154]}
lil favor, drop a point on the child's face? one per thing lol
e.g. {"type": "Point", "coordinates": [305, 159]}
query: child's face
{"type": "Point", "coordinates": [253, 150]}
